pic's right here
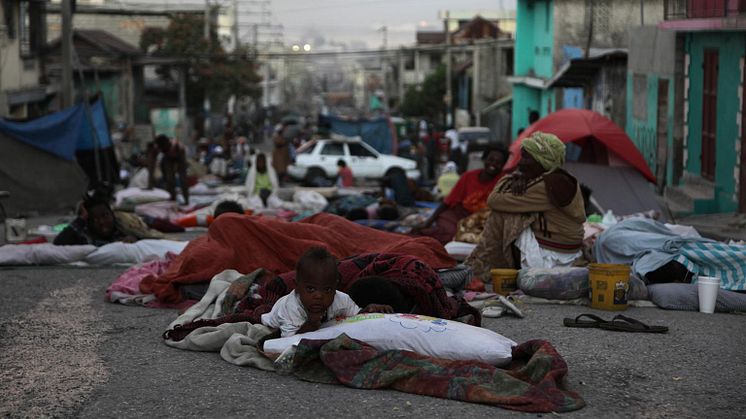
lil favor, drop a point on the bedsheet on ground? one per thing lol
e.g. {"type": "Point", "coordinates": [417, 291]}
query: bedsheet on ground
{"type": "Point", "coordinates": [533, 383]}
{"type": "Point", "coordinates": [248, 243]}
{"type": "Point", "coordinates": [126, 288]}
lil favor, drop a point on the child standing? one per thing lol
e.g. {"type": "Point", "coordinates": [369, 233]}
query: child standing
{"type": "Point", "coordinates": [315, 298]}
{"type": "Point", "coordinates": [344, 175]}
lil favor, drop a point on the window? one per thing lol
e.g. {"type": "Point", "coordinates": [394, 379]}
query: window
{"type": "Point", "coordinates": [360, 150]}
{"type": "Point", "coordinates": [640, 97]}
{"type": "Point", "coordinates": [31, 27]}
{"type": "Point", "coordinates": [333, 149]}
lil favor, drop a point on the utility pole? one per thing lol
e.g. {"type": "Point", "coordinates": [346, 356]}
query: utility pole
{"type": "Point", "coordinates": [475, 86]}
{"type": "Point", "coordinates": [449, 93]}
{"type": "Point", "coordinates": [642, 13]}
{"type": "Point", "coordinates": [68, 95]}
{"type": "Point", "coordinates": [207, 20]}
{"type": "Point", "coordinates": [235, 25]}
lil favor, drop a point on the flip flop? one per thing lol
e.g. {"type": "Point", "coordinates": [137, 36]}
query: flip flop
{"type": "Point", "coordinates": [576, 322]}
{"type": "Point", "coordinates": [508, 303]}
{"type": "Point", "coordinates": [627, 324]}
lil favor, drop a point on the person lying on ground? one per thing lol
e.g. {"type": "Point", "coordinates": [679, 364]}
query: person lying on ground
{"type": "Point", "coordinates": [173, 164]}
{"type": "Point", "coordinates": [380, 290]}
{"type": "Point", "coordinates": [536, 213]}
{"type": "Point", "coordinates": [315, 298]}
{"type": "Point", "coordinates": [226, 207]}
{"type": "Point", "coordinates": [95, 224]}
{"type": "Point", "coordinates": [467, 197]}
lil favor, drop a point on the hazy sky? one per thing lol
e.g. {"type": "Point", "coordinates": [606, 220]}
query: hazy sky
{"type": "Point", "coordinates": [354, 21]}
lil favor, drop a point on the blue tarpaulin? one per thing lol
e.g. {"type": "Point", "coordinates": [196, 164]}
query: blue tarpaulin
{"type": "Point", "coordinates": [375, 132]}
{"type": "Point", "coordinates": [62, 133]}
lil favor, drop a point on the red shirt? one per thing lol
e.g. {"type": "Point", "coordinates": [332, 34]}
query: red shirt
{"type": "Point", "coordinates": [345, 177]}
{"type": "Point", "coordinates": [470, 191]}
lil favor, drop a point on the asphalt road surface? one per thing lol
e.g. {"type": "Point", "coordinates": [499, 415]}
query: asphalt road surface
{"type": "Point", "coordinates": [65, 352]}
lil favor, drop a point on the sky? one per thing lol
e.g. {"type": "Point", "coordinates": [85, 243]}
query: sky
{"type": "Point", "coordinates": [357, 23]}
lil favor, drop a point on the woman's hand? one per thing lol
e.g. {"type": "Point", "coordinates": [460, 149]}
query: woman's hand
{"type": "Point", "coordinates": [518, 185]}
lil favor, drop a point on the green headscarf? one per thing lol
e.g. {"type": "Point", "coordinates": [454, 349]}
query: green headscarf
{"type": "Point", "coordinates": [546, 149]}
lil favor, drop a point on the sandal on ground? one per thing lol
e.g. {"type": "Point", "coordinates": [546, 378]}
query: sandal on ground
{"type": "Point", "coordinates": [576, 322]}
{"type": "Point", "coordinates": [627, 324]}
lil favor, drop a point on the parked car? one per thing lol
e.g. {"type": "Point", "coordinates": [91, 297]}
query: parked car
{"type": "Point", "coordinates": [479, 138]}
{"type": "Point", "coordinates": [318, 158]}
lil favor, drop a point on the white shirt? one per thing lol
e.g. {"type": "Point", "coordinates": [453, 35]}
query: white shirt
{"type": "Point", "coordinates": [288, 313]}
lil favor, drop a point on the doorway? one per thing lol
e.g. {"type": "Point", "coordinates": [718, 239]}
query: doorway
{"type": "Point", "coordinates": [709, 113]}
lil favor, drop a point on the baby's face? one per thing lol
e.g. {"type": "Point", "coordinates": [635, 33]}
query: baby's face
{"type": "Point", "coordinates": [316, 290]}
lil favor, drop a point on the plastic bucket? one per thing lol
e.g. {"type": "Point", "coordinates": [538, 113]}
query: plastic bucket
{"type": "Point", "coordinates": [609, 285]}
{"type": "Point", "coordinates": [504, 280]}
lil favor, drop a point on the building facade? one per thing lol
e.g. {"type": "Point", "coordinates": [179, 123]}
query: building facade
{"type": "Point", "coordinates": [711, 41]}
{"type": "Point", "coordinates": [23, 93]}
{"type": "Point", "coordinates": [552, 33]}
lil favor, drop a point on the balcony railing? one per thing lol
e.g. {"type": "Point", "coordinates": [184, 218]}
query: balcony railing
{"type": "Point", "coordinates": [698, 9]}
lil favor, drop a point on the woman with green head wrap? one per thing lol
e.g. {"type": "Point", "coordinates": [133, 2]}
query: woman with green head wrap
{"type": "Point", "coordinates": [537, 213]}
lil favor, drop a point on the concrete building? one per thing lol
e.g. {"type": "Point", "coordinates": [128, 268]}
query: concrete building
{"type": "Point", "coordinates": [552, 33]}
{"type": "Point", "coordinates": [23, 91]}
{"type": "Point", "coordinates": [108, 66]}
{"type": "Point", "coordinates": [696, 77]}
{"type": "Point", "coordinates": [482, 58]}
{"type": "Point", "coordinates": [124, 21]}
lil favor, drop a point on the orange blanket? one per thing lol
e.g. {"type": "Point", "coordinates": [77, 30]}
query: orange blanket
{"type": "Point", "coordinates": [248, 243]}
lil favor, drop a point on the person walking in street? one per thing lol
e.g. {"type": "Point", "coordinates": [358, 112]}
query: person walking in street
{"type": "Point", "coordinates": [173, 164]}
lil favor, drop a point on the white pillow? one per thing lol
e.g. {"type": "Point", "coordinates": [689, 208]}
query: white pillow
{"type": "Point", "coordinates": [43, 254]}
{"type": "Point", "coordinates": [138, 252]}
{"type": "Point", "coordinates": [425, 335]}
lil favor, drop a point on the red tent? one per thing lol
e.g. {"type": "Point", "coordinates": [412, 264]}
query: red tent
{"type": "Point", "coordinates": [598, 137]}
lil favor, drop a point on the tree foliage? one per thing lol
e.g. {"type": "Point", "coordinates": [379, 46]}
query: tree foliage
{"type": "Point", "coordinates": [427, 100]}
{"type": "Point", "coordinates": [211, 72]}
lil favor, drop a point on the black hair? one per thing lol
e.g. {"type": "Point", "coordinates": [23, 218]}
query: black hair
{"type": "Point", "coordinates": [313, 260]}
{"type": "Point", "coordinates": [341, 163]}
{"type": "Point", "coordinates": [262, 155]}
{"type": "Point", "coordinates": [388, 212]}
{"type": "Point", "coordinates": [228, 207]}
{"type": "Point", "coordinates": [380, 290]}
{"type": "Point", "coordinates": [357, 214]}
{"type": "Point", "coordinates": [499, 147]}
{"type": "Point", "coordinates": [100, 195]}
{"type": "Point", "coordinates": [162, 138]}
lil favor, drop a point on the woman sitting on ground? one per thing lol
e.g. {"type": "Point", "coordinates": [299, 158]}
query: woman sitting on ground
{"type": "Point", "coordinates": [95, 224]}
{"type": "Point", "coordinates": [536, 213]}
{"type": "Point", "coordinates": [467, 197]}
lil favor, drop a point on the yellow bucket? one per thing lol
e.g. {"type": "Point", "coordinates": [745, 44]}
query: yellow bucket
{"type": "Point", "coordinates": [609, 285]}
{"type": "Point", "coordinates": [504, 280]}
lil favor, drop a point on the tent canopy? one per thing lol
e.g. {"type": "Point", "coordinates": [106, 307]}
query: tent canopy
{"type": "Point", "coordinates": [594, 134]}
{"type": "Point", "coordinates": [63, 133]}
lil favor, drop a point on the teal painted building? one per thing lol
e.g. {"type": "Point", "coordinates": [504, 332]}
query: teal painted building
{"type": "Point", "coordinates": [727, 50]}
{"type": "Point", "coordinates": [702, 163]}
{"type": "Point", "coordinates": [553, 33]}
{"type": "Point", "coordinates": [651, 120]}
{"type": "Point", "coordinates": [533, 60]}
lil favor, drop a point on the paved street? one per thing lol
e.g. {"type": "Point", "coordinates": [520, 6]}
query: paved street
{"type": "Point", "coordinates": [66, 353]}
